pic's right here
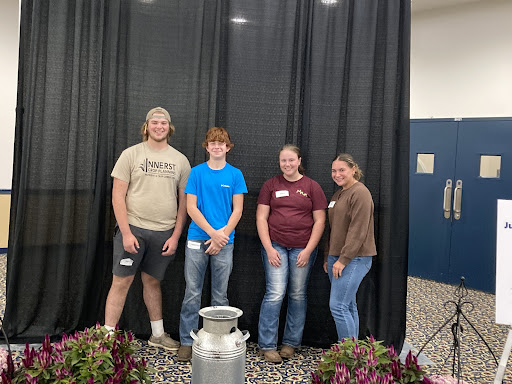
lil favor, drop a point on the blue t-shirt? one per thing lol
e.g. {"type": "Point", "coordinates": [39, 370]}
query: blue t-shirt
{"type": "Point", "coordinates": [214, 190]}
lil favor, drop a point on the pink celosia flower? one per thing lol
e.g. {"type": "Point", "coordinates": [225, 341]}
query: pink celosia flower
{"type": "Point", "coordinates": [445, 379]}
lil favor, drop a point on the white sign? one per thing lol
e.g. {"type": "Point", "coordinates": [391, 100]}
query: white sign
{"type": "Point", "coordinates": [504, 263]}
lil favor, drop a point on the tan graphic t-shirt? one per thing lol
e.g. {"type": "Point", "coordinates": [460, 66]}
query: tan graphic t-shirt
{"type": "Point", "coordinates": [153, 179]}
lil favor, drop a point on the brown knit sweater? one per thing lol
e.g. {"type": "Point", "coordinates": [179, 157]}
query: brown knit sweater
{"type": "Point", "coordinates": [351, 221]}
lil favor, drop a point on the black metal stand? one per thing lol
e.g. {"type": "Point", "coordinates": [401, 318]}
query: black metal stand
{"type": "Point", "coordinates": [461, 292]}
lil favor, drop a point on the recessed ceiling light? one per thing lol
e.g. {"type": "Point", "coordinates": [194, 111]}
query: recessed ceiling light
{"type": "Point", "coordinates": [239, 20]}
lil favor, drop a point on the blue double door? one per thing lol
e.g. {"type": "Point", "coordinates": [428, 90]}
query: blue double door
{"type": "Point", "coordinates": [458, 170]}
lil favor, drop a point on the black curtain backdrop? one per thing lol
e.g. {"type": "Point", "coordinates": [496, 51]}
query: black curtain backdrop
{"type": "Point", "coordinates": [328, 76]}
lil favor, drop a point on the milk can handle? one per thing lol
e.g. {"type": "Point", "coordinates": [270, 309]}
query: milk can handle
{"type": "Point", "coordinates": [195, 337]}
{"type": "Point", "coordinates": [245, 336]}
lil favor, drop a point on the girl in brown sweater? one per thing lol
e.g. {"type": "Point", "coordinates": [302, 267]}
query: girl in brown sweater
{"type": "Point", "coordinates": [351, 243]}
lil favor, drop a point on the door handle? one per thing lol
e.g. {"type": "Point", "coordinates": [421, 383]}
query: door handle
{"type": "Point", "coordinates": [457, 200]}
{"type": "Point", "coordinates": [447, 201]}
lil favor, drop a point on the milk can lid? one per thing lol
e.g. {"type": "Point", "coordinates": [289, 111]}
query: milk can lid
{"type": "Point", "coordinates": [220, 312]}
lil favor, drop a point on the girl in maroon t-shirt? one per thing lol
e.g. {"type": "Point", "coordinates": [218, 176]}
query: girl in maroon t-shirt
{"type": "Point", "coordinates": [290, 219]}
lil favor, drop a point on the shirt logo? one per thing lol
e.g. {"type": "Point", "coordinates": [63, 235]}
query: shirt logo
{"type": "Point", "coordinates": [158, 168]}
{"type": "Point", "coordinates": [225, 186]}
{"type": "Point", "coordinates": [299, 191]}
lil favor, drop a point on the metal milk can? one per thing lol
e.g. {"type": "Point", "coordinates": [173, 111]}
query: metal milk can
{"type": "Point", "coordinates": [218, 349]}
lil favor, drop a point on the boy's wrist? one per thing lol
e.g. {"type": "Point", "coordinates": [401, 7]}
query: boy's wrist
{"type": "Point", "coordinates": [175, 236]}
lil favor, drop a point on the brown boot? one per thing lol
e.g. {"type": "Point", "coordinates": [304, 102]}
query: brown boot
{"type": "Point", "coordinates": [185, 353]}
{"type": "Point", "coordinates": [287, 352]}
{"type": "Point", "coordinates": [272, 356]}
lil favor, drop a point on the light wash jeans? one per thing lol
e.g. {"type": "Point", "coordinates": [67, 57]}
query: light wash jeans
{"type": "Point", "coordinates": [342, 301]}
{"type": "Point", "coordinates": [279, 279]}
{"type": "Point", "coordinates": [196, 262]}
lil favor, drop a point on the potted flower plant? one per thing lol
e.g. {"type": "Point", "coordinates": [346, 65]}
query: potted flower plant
{"type": "Point", "coordinates": [366, 362]}
{"type": "Point", "coordinates": [92, 356]}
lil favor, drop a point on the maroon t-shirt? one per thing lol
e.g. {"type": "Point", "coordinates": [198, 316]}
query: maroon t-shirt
{"type": "Point", "coordinates": [292, 203]}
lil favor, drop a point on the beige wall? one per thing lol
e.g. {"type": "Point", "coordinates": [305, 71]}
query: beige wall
{"type": "Point", "coordinates": [5, 203]}
{"type": "Point", "coordinates": [9, 46]}
{"type": "Point", "coordinates": [461, 59]}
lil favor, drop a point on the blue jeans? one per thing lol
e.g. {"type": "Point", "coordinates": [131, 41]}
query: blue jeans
{"type": "Point", "coordinates": [196, 262]}
{"type": "Point", "coordinates": [288, 275]}
{"type": "Point", "coordinates": [342, 301]}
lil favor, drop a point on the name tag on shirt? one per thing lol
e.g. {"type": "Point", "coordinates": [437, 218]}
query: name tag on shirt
{"type": "Point", "coordinates": [282, 193]}
{"type": "Point", "coordinates": [331, 204]}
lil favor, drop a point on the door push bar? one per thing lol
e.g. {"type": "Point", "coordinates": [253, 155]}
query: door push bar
{"type": "Point", "coordinates": [447, 201]}
{"type": "Point", "coordinates": [457, 199]}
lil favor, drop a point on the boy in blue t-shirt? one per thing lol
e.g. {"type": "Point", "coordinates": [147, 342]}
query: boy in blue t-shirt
{"type": "Point", "coordinates": [215, 199]}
